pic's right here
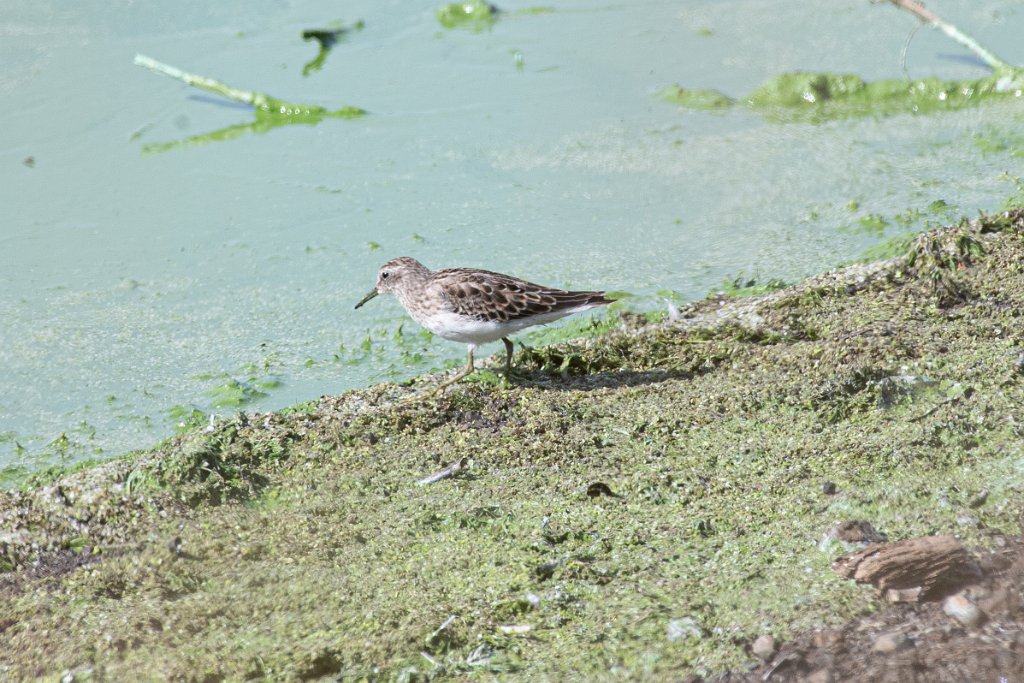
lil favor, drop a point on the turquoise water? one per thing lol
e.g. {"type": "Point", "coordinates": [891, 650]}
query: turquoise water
{"type": "Point", "coordinates": [133, 286]}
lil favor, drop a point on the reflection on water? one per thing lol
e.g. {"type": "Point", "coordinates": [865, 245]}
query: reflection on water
{"type": "Point", "coordinates": [138, 291]}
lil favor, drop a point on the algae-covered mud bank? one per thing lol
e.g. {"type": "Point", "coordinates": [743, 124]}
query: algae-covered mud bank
{"type": "Point", "coordinates": [642, 505]}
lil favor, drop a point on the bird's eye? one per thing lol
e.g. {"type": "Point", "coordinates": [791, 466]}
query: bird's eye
{"type": "Point", "coordinates": [384, 275]}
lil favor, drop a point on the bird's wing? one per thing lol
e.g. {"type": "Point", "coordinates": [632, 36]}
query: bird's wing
{"type": "Point", "coordinates": [494, 297]}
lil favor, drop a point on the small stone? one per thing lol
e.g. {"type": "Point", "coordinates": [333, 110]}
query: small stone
{"type": "Point", "coordinates": [967, 521]}
{"type": "Point", "coordinates": [826, 638]}
{"type": "Point", "coordinates": [895, 595]}
{"type": "Point", "coordinates": [891, 642]}
{"type": "Point", "coordinates": [828, 488]}
{"type": "Point", "coordinates": [687, 627]}
{"type": "Point", "coordinates": [819, 676]}
{"type": "Point", "coordinates": [962, 609]}
{"type": "Point", "coordinates": [858, 531]}
{"type": "Point", "coordinates": [1000, 600]}
{"type": "Point", "coordinates": [763, 647]}
{"type": "Point", "coordinates": [979, 499]}
{"type": "Point", "coordinates": [598, 489]}
{"type": "Point", "coordinates": [977, 593]}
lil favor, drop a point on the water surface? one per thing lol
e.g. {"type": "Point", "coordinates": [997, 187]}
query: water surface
{"type": "Point", "coordinates": [134, 283]}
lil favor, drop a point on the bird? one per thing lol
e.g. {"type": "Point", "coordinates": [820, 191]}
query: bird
{"type": "Point", "coordinates": [475, 306]}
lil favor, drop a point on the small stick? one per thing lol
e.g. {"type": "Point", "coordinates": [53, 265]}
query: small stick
{"type": "Point", "coordinates": [931, 411]}
{"type": "Point", "coordinates": [256, 99]}
{"type": "Point", "coordinates": [924, 14]}
{"type": "Point", "coordinates": [449, 471]}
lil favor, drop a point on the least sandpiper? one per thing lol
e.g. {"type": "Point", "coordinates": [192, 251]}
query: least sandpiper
{"type": "Point", "coordinates": [475, 306]}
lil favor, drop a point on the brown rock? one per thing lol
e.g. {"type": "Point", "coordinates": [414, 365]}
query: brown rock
{"type": "Point", "coordinates": [819, 676]}
{"type": "Point", "coordinates": [894, 595]}
{"type": "Point", "coordinates": [892, 642]}
{"type": "Point", "coordinates": [764, 647]}
{"type": "Point", "coordinates": [857, 531]}
{"type": "Point", "coordinates": [826, 638]}
{"type": "Point", "coordinates": [935, 564]}
{"type": "Point", "coordinates": [1001, 600]}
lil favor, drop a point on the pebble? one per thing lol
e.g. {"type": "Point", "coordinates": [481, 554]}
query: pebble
{"type": "Point", "coordinates": [819, 676]}
{"type": "Point", "coordinates": [962, 609]}
{"type": "Point", "coordinates": [763, 647]}
{"type": "Point", "coordinates": [967, 521]}
{"type": "Point", "coordinates": [687, 627]}
{"type": "Point", "coordinates": [979, 499]}
{"type": "Point", "coordinates": [891, 642]}
{"type": "Point", "coordinates": [894, 595]}
{"type": "Point", "coordinates": [826, 638]}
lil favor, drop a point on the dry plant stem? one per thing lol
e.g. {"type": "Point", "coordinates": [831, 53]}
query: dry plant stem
{"type": "Point", "coordinates": [924, 14]}
{"type": "Point", "coordinates": [256, 99]}
{"type": "Point", "coordinates": [449, 471]}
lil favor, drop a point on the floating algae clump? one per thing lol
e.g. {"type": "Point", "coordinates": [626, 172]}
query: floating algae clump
{"type": "Point", "coordinates": [695, 99]}
{"type": "Point", "coordinates": [821, 96]}
{"type": "Point", "coordinates": [473, 15]}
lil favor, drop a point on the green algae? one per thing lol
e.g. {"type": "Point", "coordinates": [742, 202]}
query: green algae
{"type": "Point", "coordinates": [823, 96]}
{"type": "Point", "coordinates": [478, 16]}
{"type": "Point", "coordinates": [298, 545]}
{"type": "Point", "coordinates": [272, 114]}
{"type": "Point", "coordinates": [695, 99]}
{"type": "Point", "coordinates": [187, 417]}
{"type": "Point", "coordinates": [891, 248]}
{"type": "Point", "coordinates": [742, 285]}
{"type": "Point", "coordinates": [327, 39]}
{"type": "Point", "coordinates": [472, 14]}
{"type": "Point", "coordinates": [816, 96]}
{"type": "Point", "coordinates": [535, 10]}
{"type": "Point", "coordinates": [999, 142]}
{"type": "Point", "coordinates": [269, 112]}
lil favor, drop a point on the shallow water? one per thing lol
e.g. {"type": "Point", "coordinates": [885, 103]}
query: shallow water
{"type": "Point", "coordinates": [132, 283]}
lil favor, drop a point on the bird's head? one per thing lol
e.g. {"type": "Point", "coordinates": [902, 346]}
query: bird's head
{"type": "Point", "coordinates": [395, 274]}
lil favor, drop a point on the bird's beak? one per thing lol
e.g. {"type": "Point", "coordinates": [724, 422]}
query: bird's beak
{"type": "Point", "coordinates": [373, 293]}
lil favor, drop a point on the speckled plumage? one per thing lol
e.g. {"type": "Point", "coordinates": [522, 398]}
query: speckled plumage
{"type": "Point", "coordinates": [475, 306]}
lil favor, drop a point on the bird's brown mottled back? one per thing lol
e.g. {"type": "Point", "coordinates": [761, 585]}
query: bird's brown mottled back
{"type": "Point", "coordinates": [490, 296]}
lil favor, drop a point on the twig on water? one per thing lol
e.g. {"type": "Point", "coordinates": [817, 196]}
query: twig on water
{"type": "Point", "coordinates": [263, 102]}
{"type": "Point", "coordinates": [256, 99]}
{"type": "Point", "coordinates": [269, 112]}
{"type": "Point", "coordinates": [927, 16]}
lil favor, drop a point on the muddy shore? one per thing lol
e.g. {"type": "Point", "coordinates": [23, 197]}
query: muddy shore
{"type": "Point", "coordinates": [646, 504]}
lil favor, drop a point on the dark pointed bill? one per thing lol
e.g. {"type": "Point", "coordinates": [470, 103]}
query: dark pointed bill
{"type": "Point", "coordinates": [373, 293]}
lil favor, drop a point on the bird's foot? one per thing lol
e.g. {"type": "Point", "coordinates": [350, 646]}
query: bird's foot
{"type": "Point", "coordinates": [439, 389]}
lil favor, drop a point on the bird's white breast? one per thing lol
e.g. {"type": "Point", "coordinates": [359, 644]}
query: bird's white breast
{"type": "Point", "coordinates": [468, 330]}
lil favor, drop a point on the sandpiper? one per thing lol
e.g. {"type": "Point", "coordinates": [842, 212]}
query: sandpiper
{"type": "Point", "coordinates": [475, 306]}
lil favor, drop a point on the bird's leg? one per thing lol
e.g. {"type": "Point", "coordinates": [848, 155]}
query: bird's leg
{"type": "Point", "coordinates": [464, 372]}
{"type": "Point", "coordinates": [467, 370]}
{"type": "Point", "coordinates": [508, 359]}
